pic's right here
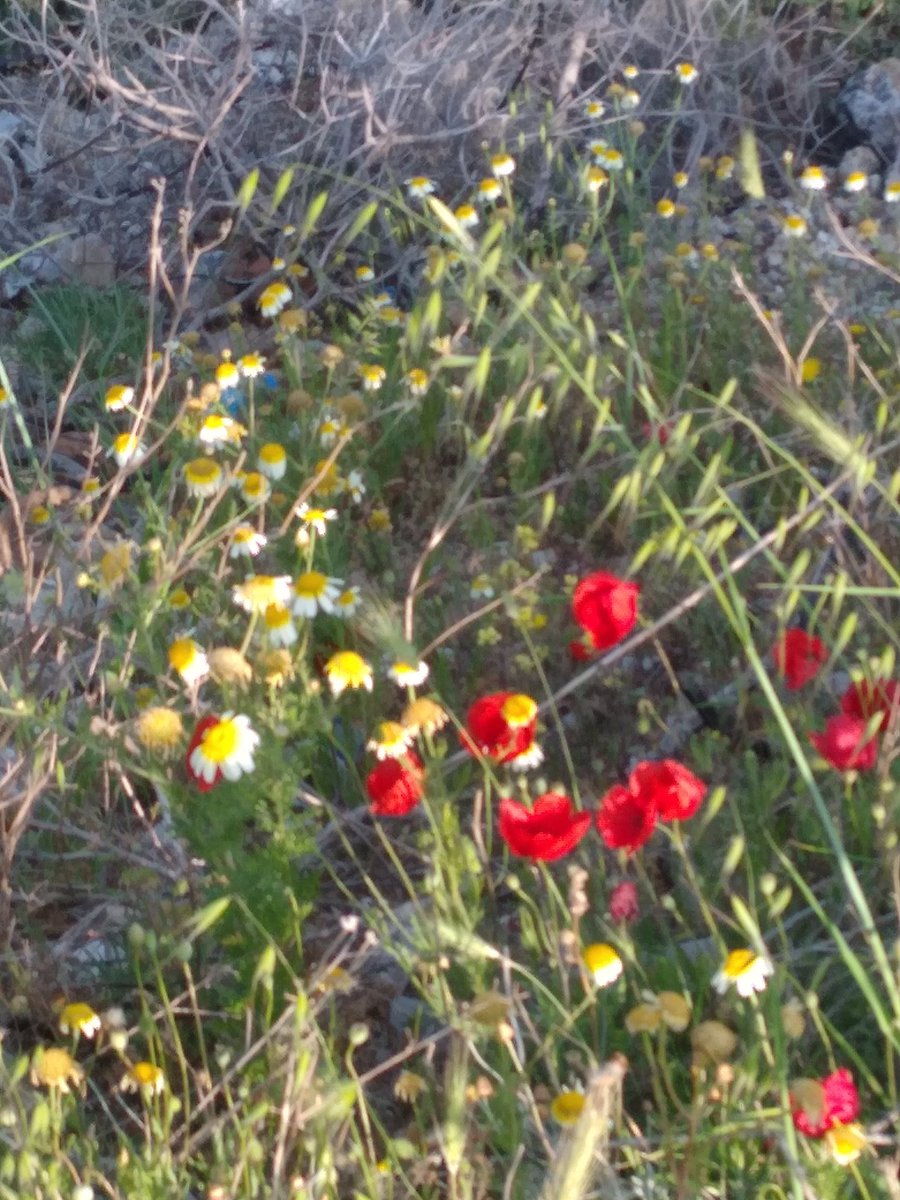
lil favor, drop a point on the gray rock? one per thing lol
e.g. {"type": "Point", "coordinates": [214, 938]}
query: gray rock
{"type": "Point", "coordinates": [870, 101]}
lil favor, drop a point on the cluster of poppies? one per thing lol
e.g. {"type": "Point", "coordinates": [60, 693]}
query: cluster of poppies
{"type": "Point", "coordinates": [502, 726]}
{"type": "Point", "coordinates": [849, 741]}
{"type": "Point", "coordinates": [551, 828]}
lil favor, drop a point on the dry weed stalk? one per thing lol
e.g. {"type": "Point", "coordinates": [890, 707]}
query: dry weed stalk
{"type": "Point", "coordinates": [359, 96]}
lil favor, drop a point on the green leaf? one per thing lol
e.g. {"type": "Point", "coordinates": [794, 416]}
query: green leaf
{"type": "Point", "coordinates": [247, 190]}
{"type": "Point", "coordinates": [749, 171]}
{"type": "Point", "coordinates": [360, 222]}
{"type": "Point", "coordinates": [315, 210]}
{"type": "Point", "coordinates": [285, 179]}
{"type": "Point", "coordinates": [208, 916]}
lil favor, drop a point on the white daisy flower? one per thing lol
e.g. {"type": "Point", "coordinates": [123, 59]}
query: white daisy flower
{"type": "Point", "coordinates": [316, 518]}
{"type": "Point", "coordinates": [408, 674]}
{"type": "Point", "coordinates": [257, 592]}
{"type": "Point", "coordinates": [315, 592]}
{"type": "Point", "coordinates": [227, 747]}
{"type": "Point", "coordinates": [246, 542]}
{"type": "Point", "coordinates": [745, 970]}
{"type": "Point", "coordinates": [127, 448]}
{"type": "Point", "coordinates": [279, 625]}
{"type": "Point", "coordinates": [189, 660]}
{"type": "Point", "coordinates": [348, 602]}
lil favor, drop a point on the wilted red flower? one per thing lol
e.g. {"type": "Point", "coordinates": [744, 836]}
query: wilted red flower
{"type": "Point", "coordinates": [203, 785]}
{"type": "Point", "coordinates": [394, 786]}
{"type": "Point", "coordinates": [841, 744]}
{"type": "Point", "coordinates": [606, 607]}
{"type": "Point", "coordinates": [550, 829]}
{"type": "Point", "coordinates": [623, 901]}
{"type": "Point", "coordinates": [864, 699]}
{"type": "Point", "coordinates": [798, 656]}
{"type": "Point", "coordinates": [580, 650]}
{"type": "Point", "coordinates": [661, 430]}
{"type": "Point", "coordinates": [671, 787]}
{"type": "Point", "coordinates": [626, 820]}
{"type": "Point", "coordinates": [818, 1105]}
{"type": "Point", "coordinates": [501, 727]}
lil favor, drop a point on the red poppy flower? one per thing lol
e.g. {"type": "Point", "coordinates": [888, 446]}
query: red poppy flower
{"type": "Point", "coordinates": [203, 785]}
{"type": "Point", "coordinates": [818, 1105]}
{"type": "Point", "coordinates": [547, 831]}
{"type": "Point", "coordinates": [671, 787]}
{"type": "Point", "coordinates": [841, 744]}
{"type": "Point", "coordinates": [394, 787]}
{"type": "Point", "coordinates": [623, 902]}
{"type": "Point", "coordinates": [501, 727]}
{"type": "Point", "coordinates": [625, 820]}
{"type": "Point", "coordinates": [864, 699]}
{"type": "Point", "coordinates": [606, 607]}
{"type": "Point", "coordinates": [798, 656]}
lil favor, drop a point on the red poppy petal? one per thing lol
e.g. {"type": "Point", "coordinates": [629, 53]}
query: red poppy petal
{"type": "Point", "coordinates": [676, 791]}
{"type": "Point", "coordinates": [625, 821]}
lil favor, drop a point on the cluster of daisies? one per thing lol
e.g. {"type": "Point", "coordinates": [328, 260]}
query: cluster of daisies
{"type": "Point", "coordinates": [58, 1069]}
{"type": "Point", "coordinates": [814, 180]}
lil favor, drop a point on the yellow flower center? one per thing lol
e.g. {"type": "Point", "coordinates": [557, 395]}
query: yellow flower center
{"type": "Point", "coordinates": [254, 485]}
{"type": "Point", "coordinates": [145, 1074]}
{"type": "Point", "coordinates": [846, 1143]}
{"type": "Point", "coordinates": [349, 668]}
{"type": "Point", "coordinates": [78, 1016]}
{"type": "Point", "coordinates": [311, 584]}
{"type": "Point", "coordinates": [600, 957]}
{"type": "Point", "coordinates": [277, 616]}
{"type": "Point", "coordinates": [159, 728]}
{"type": "Point", "coordinates": [392, 735]}
{"type": "Point", "coordinates": [738, 963]}
{"type": "Point", "coordinates": [518, 710]}
{"type": "Point", "coordinates": [567, 1107]}
{"type": "Point", "coordinates": [182, 653]}
{"type": "Point", "coordinates": [272, 453]}
{"type": "Point", "coordinates": [220, 741]}
{"type": "Point", "coordinates": [202, 471]}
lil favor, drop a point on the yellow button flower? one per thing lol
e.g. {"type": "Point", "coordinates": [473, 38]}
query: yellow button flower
{"type": "Point", "coordinates": [643, 1018]}
{"type": "Point", "coordinates": [53, 1067]}
{"type": "Point", "coordinates": [159, 730]}
{"type": "Point", "coordinates": [567, 1107]}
